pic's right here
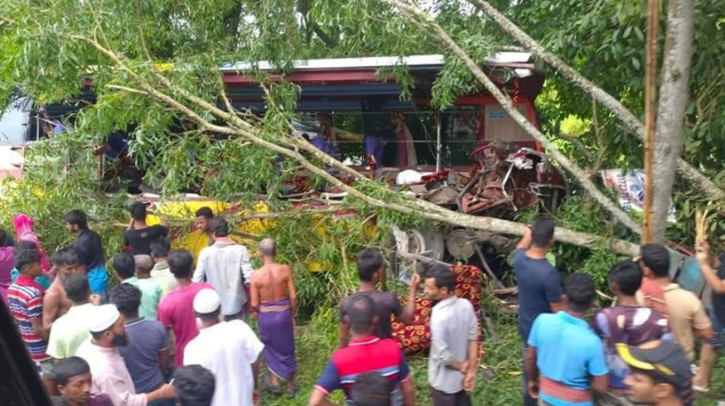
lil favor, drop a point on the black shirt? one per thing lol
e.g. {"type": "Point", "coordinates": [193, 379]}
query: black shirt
{"type": "Point", "coordinates": [718, 300]}
{"type": "Point", "coordinates": [386, 304]}
{"type": "Point", "coordinates": [140, 240]}
{"type": "Point", "coordinates": [89, 248]}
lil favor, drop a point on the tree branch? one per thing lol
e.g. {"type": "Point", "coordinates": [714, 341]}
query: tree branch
{"type": "Point", "coordinates": [630, 121]}
{"type": "Point", "coordinates": [435, 30]}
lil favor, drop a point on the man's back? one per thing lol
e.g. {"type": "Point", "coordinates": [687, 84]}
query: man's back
{"type": "Point", "coordinates": [226, 267]}
{"type": "Point", "coordinates": [272, 282]}
{"type": "Point", "coordinates": [176, 311]}
{"type": "Point", "coordinates": [539, 285]}
{"type": "Point", "coordinates": [146, 338]}
{"type": "Point", "coordinates": [568, 352]}
{"type": "Point", "coordinates": [150, 297]}
{"type": "Point", "coordinates": [163, 276]}
{"type": "Point", "coordinates": [631, 325]}
{"type": "Point", "coordinates": [70, 331]}
{"type": "Point", "coordinates": [386, 304]}
{"type": "Point", "coordinates": [367, 354]}
{"type": "Point", "coordinates": [686, 315]}
{"type": "Point", "coordinates": [228, 350]}
{"type": "Point", "coordinates": [140, 239]}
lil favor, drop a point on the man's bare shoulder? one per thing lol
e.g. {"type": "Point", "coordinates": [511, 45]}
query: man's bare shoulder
{"type": "Point", "coordinates": [52, 295]}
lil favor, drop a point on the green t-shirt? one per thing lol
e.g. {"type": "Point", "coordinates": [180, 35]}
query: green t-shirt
{"type": "Point", "coordinates": [70, 331]}
{"type": "Point", "coordinates": [150, 296]}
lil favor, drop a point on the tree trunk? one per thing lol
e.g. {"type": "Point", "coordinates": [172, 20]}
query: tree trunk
{"type": "Point", "coordinates": [674, 98]}
{"type": "Point", "coordinates": [631, 122]}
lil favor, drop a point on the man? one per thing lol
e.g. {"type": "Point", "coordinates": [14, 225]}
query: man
{"type": "Point", "coordinates": [25, 297]}
{"type": "Point", "coordinates": [365, 353]}
{"type": "Point", "coordinates": [89, 249]}
{"type": "Point", "coordinates": [194, 386]}
{"type": "Point", "coordinates": [146, 354]}
{"type": "Point", "coordinates": [139, 236]}
{"type": "Point", "coordinates": [124, 265]}
{"type": "Point", "coordinates": [687, 315]}
{"type": "Point", "coordinates": [715, 279]}
{"type": "Point", "coordinates": [73, 376]}
{"type": "Point", "coordinates": [371, 389]}
{"type": "Point", "coordinates": [150, 290]}
{"type": "Point", "coordinates": [275, 298]}
{"type": "Point", "coordinates": [176, 311]}
{"type": "Point", "coordinates": [44, 280]}
{"type": "Point", "coordinates": [626, 323]}
{"type": "Point", "coordinates": [71, 329]}
{"type": "Point", "coordinates": [538, 282]}
{"type": "Point", "coordinates": [55, 302]}
{"type": "Point", "coordinates": [453, 361]}
{"type": "Point", "coordinates": [655, 260]}
{"type": "Point", "coordinates": [371, 270]}
{"type": "Point", "coordinates": [565, 359]}
{"type": "Point", "coordinates": [660, 374]}
{"type": "Point", "coordinates": [204, 216]}
{"type": "Point", "coordinates": [110, 375]}
{"type": "Point", "coordinates": [161, 273]}
{"type": "Point", "coordinates": [229, 349]}
{"type": "Point", "coordinates": [6, 267]}
{"type": "Point", "coordinates": [226, 266]}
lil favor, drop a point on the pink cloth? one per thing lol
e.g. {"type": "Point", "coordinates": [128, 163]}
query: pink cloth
{"type": "Point", "coordinates": [25, 230]}
{"type": "Point", "coordinates": [176, 311]}
{"type": "Point", "coordinates": [110, 375]}
{"type": "Point", "coordinates": [7, 263]}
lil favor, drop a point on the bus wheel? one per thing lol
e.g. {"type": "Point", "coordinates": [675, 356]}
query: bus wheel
{"type": "Point", "coordinates": [428, 242]}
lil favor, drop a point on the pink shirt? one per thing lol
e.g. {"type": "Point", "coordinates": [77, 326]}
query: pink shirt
{"type": "Point", "coordinates": [7, 264]}
{"type": "Point", "coordinates": [110, 375]}
{"type": "Point", "coordinates": [176, 311]}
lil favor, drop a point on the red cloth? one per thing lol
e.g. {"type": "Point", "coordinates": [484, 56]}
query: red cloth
{"type": "Point", "coordinates": [415, 337]}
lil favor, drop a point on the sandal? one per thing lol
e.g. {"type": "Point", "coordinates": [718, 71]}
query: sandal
{"type": "Point", "coordinates": [273, 389]}
{"type": "Point", "coordinates": [291, 393]}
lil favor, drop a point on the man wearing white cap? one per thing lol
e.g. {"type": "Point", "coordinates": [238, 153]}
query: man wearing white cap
{"type": "Point", "coordinates": [110, 375]}
{"type": "Point", "coordinates": [228, 349]}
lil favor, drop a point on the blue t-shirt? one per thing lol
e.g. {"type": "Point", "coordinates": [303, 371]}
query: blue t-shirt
{"type": "Point", "coordinates": [146, 338]}
{"type": "Point", "coordinates": [539, 285]}
{"type": "Point", "coordinates": [567, 352]}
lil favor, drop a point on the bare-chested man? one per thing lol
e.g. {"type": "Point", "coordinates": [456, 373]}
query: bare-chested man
{"type": "Point", "coordinates": [274, 297]}
{"type": "Point", "coordinates": [55, 301]}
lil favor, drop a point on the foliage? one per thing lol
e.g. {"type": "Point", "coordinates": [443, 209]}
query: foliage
{"type": "Point", "coordinates": [604, 40]}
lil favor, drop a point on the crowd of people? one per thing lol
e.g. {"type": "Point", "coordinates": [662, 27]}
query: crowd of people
{"type": "Point", "coordinates": [175, 328]}
{"type": "Point", "coordinates": [639, 351]}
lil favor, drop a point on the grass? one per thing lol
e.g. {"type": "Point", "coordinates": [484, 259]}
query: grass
{"type": "Point", "coordinates": [318, 339]}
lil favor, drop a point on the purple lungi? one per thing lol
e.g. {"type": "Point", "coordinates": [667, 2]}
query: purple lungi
{"type": "Point", "coordinates": [277, 333]}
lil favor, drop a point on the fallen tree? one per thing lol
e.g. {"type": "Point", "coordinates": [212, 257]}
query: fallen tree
{"type": "Point", "coordinates": [633, 124]}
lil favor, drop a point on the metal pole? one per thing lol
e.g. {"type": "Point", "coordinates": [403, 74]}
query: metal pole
{"type": "Point", "coordinates": [650, 109]}
{"type": "Point", "coordinates": [438, 141]}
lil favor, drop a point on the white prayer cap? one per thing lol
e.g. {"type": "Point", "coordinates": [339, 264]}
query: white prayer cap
{"type": "Point", "coordinates": [206, 301]}
{"type": "Point", "coordinates": [103, 318]}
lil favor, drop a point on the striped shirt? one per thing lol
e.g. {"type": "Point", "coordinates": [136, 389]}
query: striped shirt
{"type": "Point", "coordinates": [25, 297]}
{"type": "Point", "coordinates": [368, 354]}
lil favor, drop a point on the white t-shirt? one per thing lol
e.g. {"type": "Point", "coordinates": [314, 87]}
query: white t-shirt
{"type": "Point", "coordinates": [228, 350]}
